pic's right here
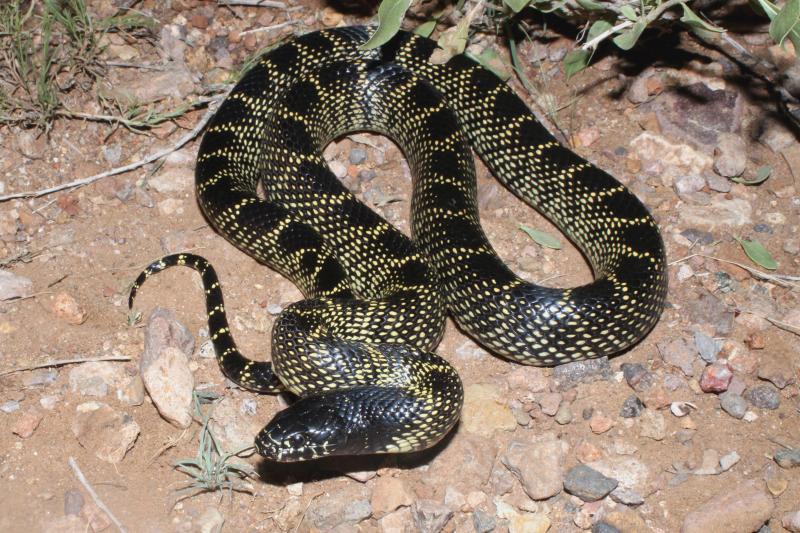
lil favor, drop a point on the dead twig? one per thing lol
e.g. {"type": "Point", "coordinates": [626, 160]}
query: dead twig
{"type": "Point", "coordinates": [252, 3]}
{"type": "Point", "coordinates": [785, 326]}
{"type": "Point", "coordinates": [127, 168]}
{"type": "Point", "coordinates": [62, 362]}
{"type": "Point", "coordinates": [778, 279]}
{"type": "Point", "coordinates": [273, 27]}
{"type": "Point", "coordinates": [78, 474]}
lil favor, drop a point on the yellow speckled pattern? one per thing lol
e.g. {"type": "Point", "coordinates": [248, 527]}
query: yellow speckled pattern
{"type": "Point", "coordinates": [357, 351]}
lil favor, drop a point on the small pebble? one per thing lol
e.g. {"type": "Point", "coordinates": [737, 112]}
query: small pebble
{"type": "Point", "coordinates": [588, 484]}
{"type": "Point", "coordinates": [685, 272]}
{"type": "Point", "coordinates": [521, 416]}
{"type": "Point", "coordinates": [632, 407]}
{"type": "Point", "coordinates": [366, 175]}
{"type": "Point", "coordinates": [67, 308]}
{"type": "Point", "coordinates": [564, 414]}
{"type": "Point", "coordinates": [707, 347]}
{"type": "Point", "coordinates": [727, 461]}
{"type": "Point", "coordinates": [763, 396]}
{"type": "Point", "coordinates": [716, 377]}
{"type": "Point", "coordinates": [248, 406]}
{"type": "Point", "coordinates": [358, 155]}
{"type": "Point", "coordinates": [709, 465]}
{"type": "Point", "coordinates": [13, 286]}
{"type": "Point", "coordinates": [733, 404]}
{"type": "Point", "coordinates": [689, 183]}
{"type": "Point", "coordinates": [26, 425]}
{"type": "Point", "coordinates": [637, 376]}
{"type": "Point", "coordinates": [482, 522]}
{"type": "Point", "coordinates": [680, 354]}
{"type": "Point", "coordinates": [627, 496]}
{"type": "Point", "coordinates": [718, 183]}
{"type": "Point", "coordinates": [791, 521]}
{"type": "Point", "coordinates": [549, 402]}
{"type": "Point", "coordinates": [50, 401]}
{"type": "Point", "coordinates": [338, 168]}
{"type": "Point", "coordinates": [570, 374]}
{"type": "Point", "coordinates": [762, 228]}
{"type": "Point", "coordinates": [756, 341]}
{"type": "Point", "coordinates": [39, 378]}
{"type": "Point", "coordinates": [9, 406]}
{"type": "Point", "coordinates": [653, 425]}
{"type": "Point", "coordinates": [776, 480]}
{"type": "Point", "coordinates": [207, 350]}
{"type": "Point", "coordinates": [698, 236]}
{"type": "Point", "coordinates": [787, 457]}
{"type": "Point", "coordinates": [587, 452]}
{"type": "Point", "coordinates": [112, 153]}
{"type": "Point", "coordinates": [73, 502]}
{"type": "Point", "coordinates": [599, 423]}
{"type": "Point", "coordinates": [731, 155]}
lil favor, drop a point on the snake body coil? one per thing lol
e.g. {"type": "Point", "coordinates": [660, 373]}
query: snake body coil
{"type": "Point", "coordinates": [358, 351]}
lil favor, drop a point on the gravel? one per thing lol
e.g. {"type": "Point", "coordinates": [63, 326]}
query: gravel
{"type": "Point", "coordinates": [588, 484]}
{"type": "Point", "coordinates": [763, 396]}
{"type": "Point", "coordinates": [733, 404]}
{"type": "Point", "coordinates": [632, 407]}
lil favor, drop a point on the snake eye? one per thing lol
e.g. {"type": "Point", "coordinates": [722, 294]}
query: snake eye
{"type": "Point", "coordinates": [296, 441]}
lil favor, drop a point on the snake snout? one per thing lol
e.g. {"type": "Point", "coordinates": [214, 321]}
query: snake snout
{"type": "Point", "coordinates": [308, 429]}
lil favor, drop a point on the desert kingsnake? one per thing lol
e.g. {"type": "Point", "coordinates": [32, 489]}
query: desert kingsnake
{"type": "Point", "coordinates": [357, 351]}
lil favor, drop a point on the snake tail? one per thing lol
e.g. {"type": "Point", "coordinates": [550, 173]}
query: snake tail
{"type": "Point", "coordinates": [253, 375]}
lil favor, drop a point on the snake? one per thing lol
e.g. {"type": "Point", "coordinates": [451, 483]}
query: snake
{"type": "Point", "coordinates": [358, 352]}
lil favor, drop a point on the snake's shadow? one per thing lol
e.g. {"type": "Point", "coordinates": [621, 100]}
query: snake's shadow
{"type": "Point", "coordinates": [274, 473]}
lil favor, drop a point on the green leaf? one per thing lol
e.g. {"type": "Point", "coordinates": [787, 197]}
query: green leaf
{"type": "Point", "coordinates": [785, 22]}
{"type": "Point", "coordinates": [590, 5]}
{"type": "Point", "coordinates": [691, 19]}
{"type": "Point", "coordinates": [757, 253]}
{"type": "Point", "coordinates": [541, 238]}
{"type": "Point", "coordinates": [453, 41]}
{"type": "Point", "coordinates": [426, 28]}
{"type": "Point", "coordinates": [597, 27]}
{"type": "Point", "coordinates": [629, 13]}
{"type": "Point", "coordinates": [516, 5]}
{"type": "Point", "coordinates": [761, 176]}
{"type": "Point", "coordinates": [390, 16]}
{"type": "Point", "coordinates": [628, 38]}
{"type": "Point", "coordinates": [575, 61]}
{"type": "Point", "coordinates": [490, 60]}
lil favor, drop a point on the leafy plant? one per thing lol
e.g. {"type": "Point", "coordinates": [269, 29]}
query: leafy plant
{"type": "Point", "coordinates": [622, 22]}
{"type": "Point", "coordinates": [49, 48]}
{"type": "Point", "coordinates": [212, 470]}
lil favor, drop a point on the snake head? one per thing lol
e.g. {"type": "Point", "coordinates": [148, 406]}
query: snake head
{"type": "Point", "coordinates": [311, 428]}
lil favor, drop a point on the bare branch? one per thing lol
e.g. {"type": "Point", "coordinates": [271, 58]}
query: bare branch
{"type": "Point", "coordinates": [78, 474]}
{"type": "Point", "coordinates": [62, 362]}
{"type": "Point", "coordinates": [252, 3]}
{"type": "Point", "coordinates": [127, 168]}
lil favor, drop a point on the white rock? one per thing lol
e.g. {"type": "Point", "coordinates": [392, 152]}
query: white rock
{"type": "Point", "coordinates": [13, 286]}
{"type": "Point", "coordinates": [96, 377]}
{"type": "Point", "coordinates": [538, 465]}
{"type": "Point", "coordinates": [210, 521]}
{"type": "Point", "coordinates": [173, 179]}
{"type": "Point", "coordinates": [631, 473]}
{"type": "Point", "coordinates": [731, 155]}
{"type": "Point", "coordinates": [109, 434]}
{"type": "Point", "coordinates": [735, 212]}
{"type": "Point", "coordinates": [170, 383]}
